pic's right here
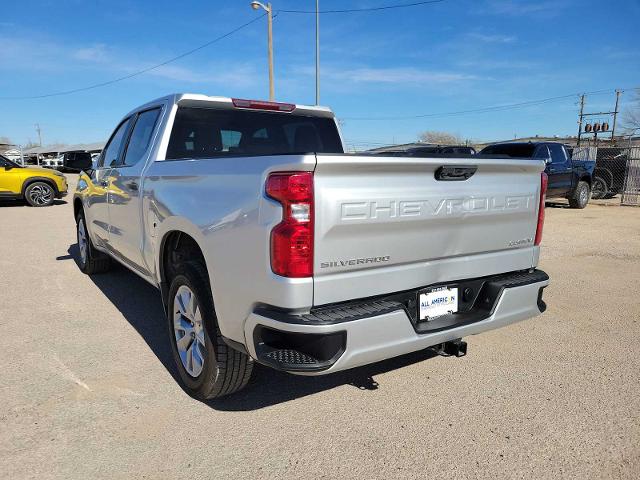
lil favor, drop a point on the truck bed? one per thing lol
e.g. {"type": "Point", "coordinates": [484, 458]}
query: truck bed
{"type": "Point", "coordinates": [382, 224]}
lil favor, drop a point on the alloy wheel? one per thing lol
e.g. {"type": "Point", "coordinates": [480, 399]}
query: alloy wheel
{"type": "Point", "coordinates": [584, 195]}
{"type": "Point", "coordinates": [189, 331]}
{"type": "Point", "coordinates": [41, 194]}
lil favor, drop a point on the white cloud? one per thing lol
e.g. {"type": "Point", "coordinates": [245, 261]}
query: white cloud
{"type": "Point", "coordinates": [96, 53]}
{"type": "Point", "coordinates": [492, 38]}
{"type": "Point", "coordinates": [406, 75]}
{"type": "Point", "coordinates": [521, 7]}
{"type": "Point", "coordinates": [45, 54]}
{"type": "Point", "coordinates": [236, 75]}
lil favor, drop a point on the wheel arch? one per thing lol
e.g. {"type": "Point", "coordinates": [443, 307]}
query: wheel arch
{"type": "Point", "coordinates": [586, 178]}
{"type": "Point", "coordinates": [77, 207]}
{"type": "Point", "coordinates": [176, 245]}
{"type": "Point", "coordinates": [31, 180]}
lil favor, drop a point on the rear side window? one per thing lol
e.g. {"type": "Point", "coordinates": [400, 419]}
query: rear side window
{"type": "Point", "coordinates": [542, 152]}
{"type": "Point", "coordinates": [205, 133]}
{"type": "Point", "coordinates": [557, 153]}
{"type": "Point", "coordinates": [141, 136]}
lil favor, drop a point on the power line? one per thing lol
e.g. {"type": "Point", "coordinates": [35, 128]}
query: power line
{"type": "Point", "coordinates": [495, 108]}
{"type": "Point", "coordinates": [205, 45]}
{"type": "Point", "coordinates": [366, 9]}
{"type": "Point", "coordinates": [139, 72]}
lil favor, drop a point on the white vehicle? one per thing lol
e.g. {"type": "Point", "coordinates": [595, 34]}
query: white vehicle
{"type": "Point", "coordinates": [269, 244]}
{"type": "Point", "coordinates": [51, 162]}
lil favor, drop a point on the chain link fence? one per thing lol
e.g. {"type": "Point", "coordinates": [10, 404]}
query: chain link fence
{"type": "Point", "coordinates": [631, 186]}
{"type": "Point", "coordinates": [617, 172]}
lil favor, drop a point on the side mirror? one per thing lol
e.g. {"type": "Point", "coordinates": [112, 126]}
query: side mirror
{"type": "Point", "coordinates": [547, 160]}
{"type": "Point", "coordinates": [8, 167]}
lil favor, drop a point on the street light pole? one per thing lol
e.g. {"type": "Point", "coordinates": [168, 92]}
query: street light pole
{"type": "Point", "coordinates": [270, 28]}
{"type": "Point", "coordinates": [317, 52]}
{"type": "Point", "coordinates": [267, 8]}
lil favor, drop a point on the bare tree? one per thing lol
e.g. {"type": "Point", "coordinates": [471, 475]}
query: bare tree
{"type": "Point", "coordinates": [441, 138]}
{"type": "Point", "coordinates": [631, 118]}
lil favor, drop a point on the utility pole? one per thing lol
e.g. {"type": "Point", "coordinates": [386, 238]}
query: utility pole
{"type": "Point", "coordinates": [317, 52]}
{"type": "Point", "coordinates": [580, 121]}
{"type": "Point", "coordinates": [270, 33]}
{"type": "Point", "coordinates": [597, 126]}
{"type": "Point", "coordinates": [615, 116]}
{"type": "Point", "coordinates": [267, 8]}
{"type": "Point", "coordinates": [39, 134]}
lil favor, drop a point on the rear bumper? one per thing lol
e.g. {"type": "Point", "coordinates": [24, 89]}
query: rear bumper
{"type": "Point", "coordinates": [340, 337]}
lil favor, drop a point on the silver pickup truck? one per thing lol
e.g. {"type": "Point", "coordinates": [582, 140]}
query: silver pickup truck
{"type": "Point", "coordinates": [268, 243]}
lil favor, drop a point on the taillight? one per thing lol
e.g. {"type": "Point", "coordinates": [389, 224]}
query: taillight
{"type": "Point", "coordinates": [544, 180]}
{"type": "Point", "coordinates": [263, 105]}
{"type": "Point", "coordinates": [292, 238]}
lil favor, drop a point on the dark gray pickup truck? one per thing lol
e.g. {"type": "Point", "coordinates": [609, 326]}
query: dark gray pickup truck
{"type": "Point", "coordinates": [568, 178]}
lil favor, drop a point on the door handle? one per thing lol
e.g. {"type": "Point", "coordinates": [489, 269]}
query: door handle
{"type": "Point", "coordinates": [132, 185]}
{"type": "Point", "coordinates": [455, 173]}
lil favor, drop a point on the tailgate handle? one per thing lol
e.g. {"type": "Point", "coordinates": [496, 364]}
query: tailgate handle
{"type": "Point", "coordinates": [455, 173]}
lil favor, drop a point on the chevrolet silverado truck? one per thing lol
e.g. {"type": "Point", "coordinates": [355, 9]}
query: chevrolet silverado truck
{"type": "Point", "coordinates": [269, 244]}
{"type": "Point", "coordinates": [568, 177]}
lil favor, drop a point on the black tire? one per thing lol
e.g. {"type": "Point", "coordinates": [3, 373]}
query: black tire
{"type": "Point", "coordinates": [580, 196]}
{"type": "Point", "coordinates": [599, 188]}
{"type": "Point", "coordinates": [40, 194]}
{"type": "Point", "coordinates": [91, 261]}
{"type": "Point", "coordinates": [224, 370]}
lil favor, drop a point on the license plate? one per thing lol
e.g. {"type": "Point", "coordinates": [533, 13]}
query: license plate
{"type": "Point", "coordinates": [438, 302]}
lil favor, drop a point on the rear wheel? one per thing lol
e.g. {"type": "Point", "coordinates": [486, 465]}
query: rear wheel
{"type": "Point", "coordinates": [39, 194]}
{"type": "Point", "coordinates": [91, 260]}
{"type": "Point", "coordinates": [580, 196]}
{"type": "Point", "coordinates": [207, 366]}
{"type": "Point", "coordinates": [599, 188]}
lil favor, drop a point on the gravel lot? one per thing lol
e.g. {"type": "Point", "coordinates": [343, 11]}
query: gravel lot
{"type": "Point", "coordinates": [88, 389]}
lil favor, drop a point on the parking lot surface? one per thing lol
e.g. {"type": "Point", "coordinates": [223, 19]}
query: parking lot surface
{"type": "Point", "coordinates": [88, 388]}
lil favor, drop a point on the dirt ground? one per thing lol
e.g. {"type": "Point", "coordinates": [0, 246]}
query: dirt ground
{"type": "Point", "coordinates": [88, 388]}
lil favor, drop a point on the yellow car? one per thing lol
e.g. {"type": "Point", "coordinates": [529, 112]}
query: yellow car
{"type": "Point", "coordinates": [38, 186]}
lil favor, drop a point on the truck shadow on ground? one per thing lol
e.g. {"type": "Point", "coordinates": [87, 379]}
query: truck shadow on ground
{"type": "Point", "coordinates": [141, 306]}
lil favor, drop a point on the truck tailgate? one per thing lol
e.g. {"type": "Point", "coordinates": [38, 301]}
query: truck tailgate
{"type": "Point", "coordinates": [386, 224]}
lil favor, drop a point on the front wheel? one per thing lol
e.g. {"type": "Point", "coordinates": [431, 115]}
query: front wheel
{"type": "Point", "coordinates": [207, 366]}
{"type": "Point", "coordinates": [39, 194]}
{"type": "Point", "coordinates": [580, 196]}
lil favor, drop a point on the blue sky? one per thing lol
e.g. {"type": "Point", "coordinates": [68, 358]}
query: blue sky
{"type": "Point", "coordinates": [450, 56]}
